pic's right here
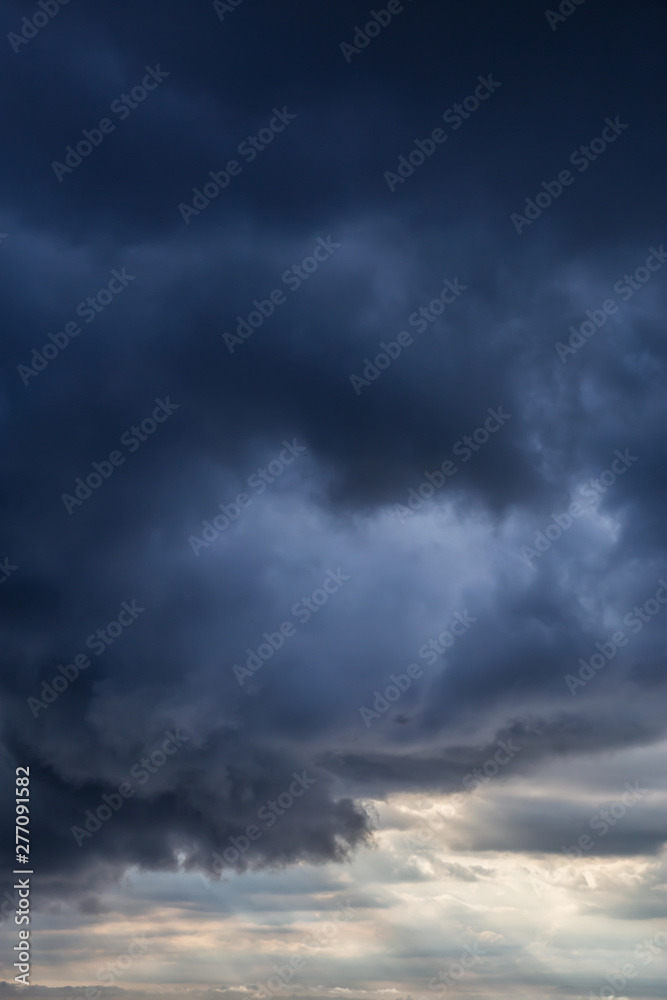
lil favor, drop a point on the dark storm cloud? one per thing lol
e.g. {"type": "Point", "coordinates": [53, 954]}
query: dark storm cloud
{"type": "Point", "coordinates": [620, 827]}
{"type": "Point", "coordinates": [160, 337]}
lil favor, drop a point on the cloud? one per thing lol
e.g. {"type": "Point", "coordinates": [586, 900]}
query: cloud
{"type": "Point", "coordinates": [493, 348]}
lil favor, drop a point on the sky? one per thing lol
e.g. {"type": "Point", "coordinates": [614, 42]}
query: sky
{"type": "Point", "coordinates": [333, 576]}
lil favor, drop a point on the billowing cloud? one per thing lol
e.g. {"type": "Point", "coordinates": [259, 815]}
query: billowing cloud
{"type": "Point", "coordinates": [334, 460]}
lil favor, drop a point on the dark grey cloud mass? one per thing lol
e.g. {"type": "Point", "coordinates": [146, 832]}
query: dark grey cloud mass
{"type": "Point", "coordinates": [211, 424]}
